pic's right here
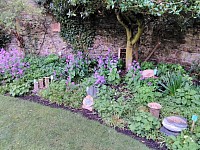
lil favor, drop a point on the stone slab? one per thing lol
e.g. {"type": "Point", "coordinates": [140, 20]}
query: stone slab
{"type": "Point", "coordinates": [175, 123]}
{"type": "Point", "coordinates": [168, 132]}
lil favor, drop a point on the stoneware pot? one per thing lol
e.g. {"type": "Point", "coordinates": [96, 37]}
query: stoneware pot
{"type": "Point", "coordinates": [154, 109]}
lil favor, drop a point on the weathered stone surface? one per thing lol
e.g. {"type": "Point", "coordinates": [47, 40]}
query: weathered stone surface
{"type": "Point", "coordinates": [92, 90]}
{"type": "Point", "coordinates": [88, 103]}
{"type": "Point", "coordinates": [147, 73]}
{"type": "Point", "coordinates": [189, 57]}
{"type": "Point", "coordinates": [175, 123]}
{"type": "Point", "coordinates": [111, 35]}
{"type": "Point", "coordinates": [168, 132]}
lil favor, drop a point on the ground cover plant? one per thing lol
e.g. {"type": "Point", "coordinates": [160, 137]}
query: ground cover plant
{"type": "Point", "coordinates": [122, 97]}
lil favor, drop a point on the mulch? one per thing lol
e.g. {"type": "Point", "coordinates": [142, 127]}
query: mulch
{"type": "Point", "coordinates": [94, 116]}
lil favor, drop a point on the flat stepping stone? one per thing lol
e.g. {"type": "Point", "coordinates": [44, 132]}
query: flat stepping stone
{"type": "Point", "coordinates": [168, 132]}
{"type": "Point", "coordinates": [175, 123]}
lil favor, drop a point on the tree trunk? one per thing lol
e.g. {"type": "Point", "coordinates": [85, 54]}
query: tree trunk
{"type": "Point", "coordinates": [129, 54]}
{"type": "Point", "coordinates": [131, 40]}
{"type": "Point", "coordinates": [136, 48]}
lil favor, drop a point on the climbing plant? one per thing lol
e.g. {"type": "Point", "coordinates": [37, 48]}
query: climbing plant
{"type": "Point", "coordinates": [12, 13]}
{"type": "Point", "coordinates": [4, 38]}
{"type": "Point", "coordinates": [79, 33]}
{"type": "Point", "coordinates": [130, 13]}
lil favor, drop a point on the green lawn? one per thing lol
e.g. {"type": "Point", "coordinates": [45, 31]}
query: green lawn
{"type": "Point", "coordinates": [29, 126]}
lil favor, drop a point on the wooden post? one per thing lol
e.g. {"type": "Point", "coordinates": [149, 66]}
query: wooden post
{"type": "Point", "coordinates": [46, 80]}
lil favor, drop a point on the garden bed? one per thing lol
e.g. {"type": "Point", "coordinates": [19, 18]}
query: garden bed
{"type": "Point", "coordinates": [120, 98]}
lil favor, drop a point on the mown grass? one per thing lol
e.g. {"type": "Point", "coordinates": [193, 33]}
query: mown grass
{"type": "Point", "coordinates": [29, 126]}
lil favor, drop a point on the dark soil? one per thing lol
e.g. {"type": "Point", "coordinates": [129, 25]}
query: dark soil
{"type": "Point", "coordinates": [93, 116]}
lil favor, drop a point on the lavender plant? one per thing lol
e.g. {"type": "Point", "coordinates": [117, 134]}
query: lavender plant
{"type": "Point", "coordinates": [11, 65]}
{"type": "Point", "coordinates": [77, 67]}
{"type": "Point", "coordinates": [107, 70]}
{"type": "Point", "coordinates": [133, 75]}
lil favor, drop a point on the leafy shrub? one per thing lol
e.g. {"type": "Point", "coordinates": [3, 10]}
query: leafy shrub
{"type": "Point", "coordinates": [186, 96]}
{"type": "Point", "coordinates": [40, 66]}
{"type": "Point", "coordinates": [133, 75]}
{"type": "Point", "coordinates": [77, 67]}
{"type": "Point", "coordinates": [164, 68]}
{"type": "Point", "coordinates": [19, 88]}
{"type": "Point", "coordinates": [145, 94]}
{"type": "Point", "coordinates": [11, 65]}
{"type": "Point", "coordinates": [147, 65]}
{"type": "Point", "coordinates": [182, 142]}
{"type": "Point", "coordinates": [107, 70]}
{"type": "Point", "coordinates": [171, 82]}
{"type": "Point", "coordinates": [145, 125]}
{"type": "Point", "coordinates": [69, 95]}
{"type": "Point", "coordinates": [4, 89]}
{"type": "Point", "coordinates": [112, 106]}
{"type": "Point", "coordinates": [52, 58]}
{"type": "Point", "coordinates": [4, 38]}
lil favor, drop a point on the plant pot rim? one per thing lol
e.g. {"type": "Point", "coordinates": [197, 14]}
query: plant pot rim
{"type": "Point", "coordinates": [154, 105]}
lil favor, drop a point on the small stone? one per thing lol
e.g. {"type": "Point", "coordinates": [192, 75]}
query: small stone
{"type": "Point", "coordinates": [175, 123]}
{"type": "Point", "coordinates": [147, 73]}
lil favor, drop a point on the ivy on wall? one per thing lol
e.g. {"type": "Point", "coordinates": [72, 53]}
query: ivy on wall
{"type": "Point", "coordinates": [79, 33]}
{"type": "Point", "coordinates": [4, 38]}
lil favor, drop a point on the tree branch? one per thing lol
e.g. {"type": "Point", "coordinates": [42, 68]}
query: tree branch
{"type": "Point", "coordinates": [157, 45]}
{"type": "Point", "coordinates": [139, 33]}
{"type": "Point", "coordinates": [121, 21]}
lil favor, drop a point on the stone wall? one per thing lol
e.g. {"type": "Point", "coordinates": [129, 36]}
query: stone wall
{"type": "Point", "coordinates": [38, 36]}
{"type": "Point", "coordinates": [176, 46]}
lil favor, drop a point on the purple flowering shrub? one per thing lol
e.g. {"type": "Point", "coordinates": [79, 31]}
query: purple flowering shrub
{"type": "Point", "coordinates": [107, 70]}
{"type": "Point", "coordinates": [77, 67]}
{"type": "Point", "coordinates": [133, 75]}
{"type": "Point", "coordinates": [11, 65]}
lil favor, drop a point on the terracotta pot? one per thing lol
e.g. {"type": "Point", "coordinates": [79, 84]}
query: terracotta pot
{"type": "Point", "coordinates": [154, 109]}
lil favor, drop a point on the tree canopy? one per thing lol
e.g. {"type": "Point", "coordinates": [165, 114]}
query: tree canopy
{"type": "Point", "coordinates": [151, 7]}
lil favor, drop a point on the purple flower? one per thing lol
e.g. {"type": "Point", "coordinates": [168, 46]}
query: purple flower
{"type": "Point", "coordinates": [11, 62]}
{"type": "Point", "coordinates": [149, 84]}
{"type": "Point", "coordinates": [100, 80]}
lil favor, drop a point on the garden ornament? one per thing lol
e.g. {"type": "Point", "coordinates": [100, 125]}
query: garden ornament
{"type": "Point", "coordinates": [194, 119]}
{"type": "Point", "coordinates": [88, 103]}
{"type": "Point", "coordinates": [92, 90]}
